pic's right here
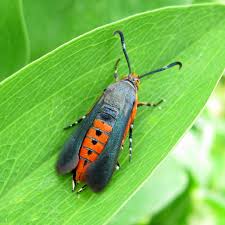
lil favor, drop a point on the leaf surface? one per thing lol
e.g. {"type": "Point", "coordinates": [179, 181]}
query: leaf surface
{"type": "Point", "coordinates": [14, 50]}
{"type": "Point", "coordinates": [45, 96]}
{"type": "Point", "coordinates": [60, 21]}
{"type": "Point", "coordinates": [167, 181]}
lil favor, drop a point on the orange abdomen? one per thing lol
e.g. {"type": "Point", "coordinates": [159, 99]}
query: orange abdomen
{"type": "Point", "coordinates": [95, 141]}
{"type": "Point", "coordinates": [92, 146]}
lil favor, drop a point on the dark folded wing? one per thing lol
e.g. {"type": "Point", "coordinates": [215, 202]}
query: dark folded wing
{"type": "Point", "coordinates": [99, 172]}
{"type": "Point", "coordinates": [69, 156]}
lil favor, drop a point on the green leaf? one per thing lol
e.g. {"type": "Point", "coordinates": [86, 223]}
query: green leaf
{"type": "Point", "coordinates": [14, 51]}
{"type": "Point", "coordinates": [61, 21]}
{"type": "Point", "coordinates": [218, 159]}
{"type": "Point", "coordinates": [176, 213]}
{"type": "Point", "coordinates": [215, 199]}
{"type": "Point", "coordinates": [42, 98]}
{"type": "Point", "coordinates": [207, 1]}
{"type": "Point", "coordinates": [217, 203]}
{"type": "Point", "coordinates": [166, 183]}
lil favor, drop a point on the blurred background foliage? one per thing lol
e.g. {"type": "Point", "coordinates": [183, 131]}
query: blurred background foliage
{"type": "Point", "coordinates": [186, 188]}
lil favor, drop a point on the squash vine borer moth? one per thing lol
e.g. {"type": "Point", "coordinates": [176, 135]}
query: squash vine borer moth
{"type": "Point", "coordinates": [91, 154]}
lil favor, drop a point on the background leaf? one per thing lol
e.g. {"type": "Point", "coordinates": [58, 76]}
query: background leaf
{"type": "Point", "coordinates": [14, 50]}
{"type": "Point", "coordinates": [38, 101]}
{"type": "Point", "coordinates": [159, 190]}
{"type": "Point", "coordinates": [53, 22]}
{"type": "Point", "coordinates": [176, 213]}
{"type": "Point", "coordinates": [207, 1]}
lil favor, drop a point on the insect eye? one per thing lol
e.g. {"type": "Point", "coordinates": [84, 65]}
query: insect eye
{"type": "Point", "coordinates": [98, 132]}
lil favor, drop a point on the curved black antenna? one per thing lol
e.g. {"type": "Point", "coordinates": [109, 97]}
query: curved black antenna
{"type": "Point", "coordinates": [163, 68]}
{"type": "Point", "coordinates": [124, 48]}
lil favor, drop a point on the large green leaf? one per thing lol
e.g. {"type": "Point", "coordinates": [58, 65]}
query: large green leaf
{"type": "Point", "coordinates": [176, 213]}
{"type": "Point", "coordinates": [216, 201]}
{"type": "Point", "coordinates": [218, 158]}
{"type": "Point", "coordinates": [14, 51]}
{"type": "Point", "coordinates": [169, 179]}
{"type": "Point", "coordinates": [207, 1]}
{"type": "Point", "coordinates": [61, 21]}
{"type": "Point", "coordinates": [38, 101]}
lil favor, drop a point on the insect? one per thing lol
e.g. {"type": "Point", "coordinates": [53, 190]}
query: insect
{"type": "Point", "coordinates": [91, 153]}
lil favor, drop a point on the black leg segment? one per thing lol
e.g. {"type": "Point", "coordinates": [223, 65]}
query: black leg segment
{"type": "Point", "coordinates": [130, 141]}
{"type": "Point", "coordinates": [150, 104]}
{"type": "Point", "coordinates": [76, 122]}
{"type": "Point", "coordinates": [117, 166]}
{"type": "Point", "coordinates": [82, 189]}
